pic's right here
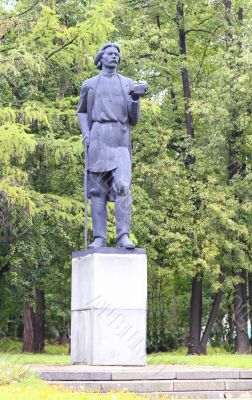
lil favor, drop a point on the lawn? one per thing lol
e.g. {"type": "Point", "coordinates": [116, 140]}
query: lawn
{"type": "Point", "coordinates": [215, 358]}
{"type": "Point", "coordinates": [27, 385]}
{"type": "Point", "coordinates": [10, 352]}
{"type": "Point", "coordinates": [35, 389]}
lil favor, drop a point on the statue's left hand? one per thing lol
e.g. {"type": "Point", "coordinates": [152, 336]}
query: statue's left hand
{"type": "Point", "coordinates": [138, 91]}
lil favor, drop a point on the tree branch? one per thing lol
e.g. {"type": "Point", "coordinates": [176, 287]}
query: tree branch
{"type": "Point", "coordinates": [18, 15]}
{"type": "Point", "coordinates": [26, 11]}
{"type": "Point", "coordinates": [204, 20]}
{"type": "Point", "coordinates": [8, 30]}
{"type": "Point", "coordinates": [61, 48]}
{"type": "Point", "coordinates": [171, 53]}
{"type": "Point", "coordinates": [197, 30]}
{"type": "Point", "coordinates": [204, 54]}
{"type": "Point", "coordinates": [8, 48]}
{"type": "Point", "coordinates": [203, 30]}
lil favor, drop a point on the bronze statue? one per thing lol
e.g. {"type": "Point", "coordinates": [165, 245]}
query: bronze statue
{"type": "Point", "coordinates": [109, 105]}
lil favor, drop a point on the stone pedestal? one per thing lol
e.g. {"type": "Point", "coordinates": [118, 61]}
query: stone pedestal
{"type": "Point", "coordinates": [109, 297]}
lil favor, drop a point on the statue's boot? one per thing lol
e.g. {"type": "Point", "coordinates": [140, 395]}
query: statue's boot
{"type": "Point", "coordinates": [123, 217]}
{"type": "Point", "coordinates": [124, 242]}
{"type": "Point", "coordinates": [98, 242]}
{"type": "Point", "coordinates": [99, 220]}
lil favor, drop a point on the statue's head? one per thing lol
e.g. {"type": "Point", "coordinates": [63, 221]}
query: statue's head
{"type": "Point", "coordinates": [106, 48]}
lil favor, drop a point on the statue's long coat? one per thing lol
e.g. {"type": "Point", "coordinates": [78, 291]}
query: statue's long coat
{"type": "Point", "coordinates": [106, 147]}
{"type": "Point", "coordinates": [109, 142]}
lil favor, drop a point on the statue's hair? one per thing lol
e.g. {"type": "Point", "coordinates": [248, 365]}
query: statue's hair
{"type": "Point", "coordinates": [97, 59]}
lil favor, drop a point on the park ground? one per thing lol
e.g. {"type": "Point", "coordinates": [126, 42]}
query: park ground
{"type": "Point", "coordinates": [18, 383]}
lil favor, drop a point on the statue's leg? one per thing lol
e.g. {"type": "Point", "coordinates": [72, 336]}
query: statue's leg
{"type": "Point", "coordinates": [98, 208]}
{"type": "Point", "coordinates": [123, 201]}
{"type": "Point", "coordinates": [123, 214]}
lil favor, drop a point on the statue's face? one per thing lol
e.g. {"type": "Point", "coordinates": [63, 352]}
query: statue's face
{"type": "Point", "coordinates": [110, 57]}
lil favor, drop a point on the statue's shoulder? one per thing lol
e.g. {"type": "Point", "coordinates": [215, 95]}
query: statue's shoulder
{"type": "Point", "coordinates": [126, 79]}
{"type": "Point", "coordinates": [90, 83]}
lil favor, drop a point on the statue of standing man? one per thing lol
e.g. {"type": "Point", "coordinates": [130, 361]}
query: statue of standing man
{"type": "Point", "coordinates": [109, 105]}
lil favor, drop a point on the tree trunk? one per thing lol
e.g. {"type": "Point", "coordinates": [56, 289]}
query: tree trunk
{"type": "Point", "coordinates": [241, 316]}
{"type": "Point", "coordinates": [210, 322]}
{"type": "Point", "coordinates": [34, 325]}
{"type": "Point", "coordinates": [40, 321]}
{"type": "Point", "coordinates": [29, 331]}
{"type": "Point", "coordinates": [195, 316]}
{"type": "Point", "coordinates": [236, 167]}
{"type": "Point", "coordinates": [196, 296]}
{"type": "Point", "coordinates": [64, 87]}
{"type": "Point", "coordinates": [230, 321]}
{"type": "Point", "coordinates": [212, 316]}
{"type": "Point", "coordinates": [184, 71]}
{"type": "Point", "coordinates": [250, 297]}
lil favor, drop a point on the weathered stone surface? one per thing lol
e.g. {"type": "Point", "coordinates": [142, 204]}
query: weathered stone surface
{"type": "Point", "coordinates": [75, 376]}
{"type": "Point", "coordinates": [238, 395]}
{"type": "Point", "coordinates": [109, 297]}
{"type": "Point", "coordinates": [245, 374]}
{"type": "Point", "coordinates": [110, 281]}
{"type": "Point", "coordinates": [104, 387]}
{"type": "Point", "coordinates": [108, 250]}
{"type": "Point", "coordinates": [201, 395]}
{"type": "Point", "coordinates": [242, 384]}
{"type": "Point", "coordinates": [107, 386]}
{"type": "Point", "coordinates": [191, 395]}
{"type": "Point", "coordinates": [208, 374]}
{"type": "Point", "coordinates": [144, 375]}
{"type": "Point", "coordinates": [109, 337]}
{"type": "Point", "coordinates": [80, 336]}
{"type": "Point", "coordinates": [195, 385]}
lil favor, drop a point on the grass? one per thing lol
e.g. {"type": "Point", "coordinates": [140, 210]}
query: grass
{"type": "Point", "coordinates": [35, 389]}
{"type": "Point", "coordinates": [215, 358]}
{"type": "Point", "coordinates": [17, 383]}
{"type": "Point", "coordinates": [10, 353]}
{"type": "Point", "coordinates": [10, 373]}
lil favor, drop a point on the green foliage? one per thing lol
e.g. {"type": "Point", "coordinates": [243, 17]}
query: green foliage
{"type": "Point", "coordinates": [190, 216]}
{"type": "Point", "coordinates": [45, 52]}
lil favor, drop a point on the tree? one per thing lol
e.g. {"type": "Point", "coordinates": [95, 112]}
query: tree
{"type": "Point", "coordinates": [44, 56]}
{"type": "Point", "coordinates": [207, 212]}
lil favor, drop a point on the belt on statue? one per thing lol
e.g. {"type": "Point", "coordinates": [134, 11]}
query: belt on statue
{"type": "Point", "coordinates": [112, 122]}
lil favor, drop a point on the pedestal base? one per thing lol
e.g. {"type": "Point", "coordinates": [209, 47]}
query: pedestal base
{"type": "Point", "coordinates": [109, 296]}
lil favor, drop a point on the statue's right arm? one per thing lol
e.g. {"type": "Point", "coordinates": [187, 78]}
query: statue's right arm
{"type": "Point", "coordinates": [82, 114]}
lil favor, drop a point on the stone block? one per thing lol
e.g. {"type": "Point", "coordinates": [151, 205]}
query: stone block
{"type": "Point", "coordinates": [195, 385]}
{"type": "Point", "coordinates": [157, 374]}
{"type": "Point", "coordinates": [241, 384]}
{"type": "Point", "coordinates": [238, 395]}
{"type": "Point", "coordinates": [131, 386]}
{"type": "Point", "coordinates": [246, 374]}
{"type": "Point", "coordinates": [208, 374]}
{"type": "Point", "coordinates": [109, 301]}
{"type": "Point", "coordinates": [109, 281]}
{"type": "Point", "coordinates": [74, 376]}
{"type": "Point", "coordinates": [109, 337]}
{"type": "Point", "coordinates": [195, 395]}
